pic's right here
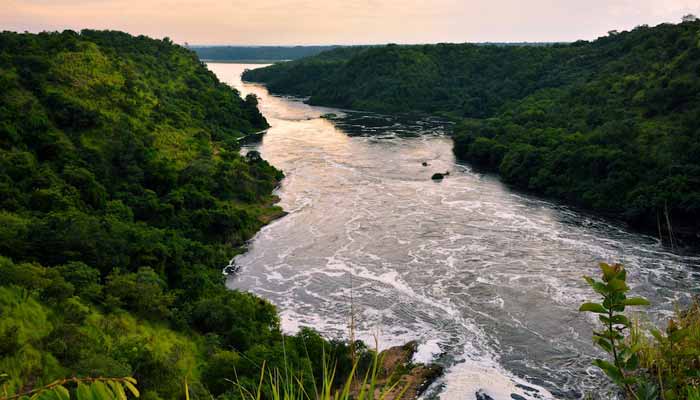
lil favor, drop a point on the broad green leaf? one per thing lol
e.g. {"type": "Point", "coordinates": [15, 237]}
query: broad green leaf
{"type": "Point", "coordinates": [599, 287]}
{"type": "Point", "coordinates": [100, 391]}
{"type": "Point", "coordinates": [614, 335]}
{"type": "Point", "coordinates": [593, 307]}
{"type": "Point", "coordinates": [132, 388]}
{"type": "Point", "coordinates": [62, 392]}
{"type": "Point", "coordinates": [84, 393]}
{"type": "Point", "coordinates": [618, 285]}
{"type": "Point", "coordinates": [609, 271]}
{"type": "Point", "coordinates": [44, 395]}
{"type": "Point", "coordinates": [620, 320]}
{"type": "Point", "coordinates": [616, 320]}
{"type": "Point", "coordinates": [603, 343]}
{"type": "Point", "coordinates": [636, 301]}
{"type": "Point", "coordinates": [118, 390]}
{"type": "Point", "coordinates": [56, 393]}
{"type": "Point", "coordinates": [632, 363]}
{"type": "Point", "coordinates": [131, 379]}
{"type": "Point", "coordinates": [622, 275]}
{"type": "Point", "coordinates": [610, 370]}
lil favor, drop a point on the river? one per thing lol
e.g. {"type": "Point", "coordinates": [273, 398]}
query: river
{"type": "Point", "coordinates": [487, 279]}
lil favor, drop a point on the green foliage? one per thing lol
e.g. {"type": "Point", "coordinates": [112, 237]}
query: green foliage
{"type": "Point", "coordinates": [82, 389]}
{"type": "Point", "coordinates": [122, 193]}
{"type": "Point", "coordinates": [85, 280]}
{"type": "Point", "coordinates": [275, 383]}
{"type": "Point", "coordinates": [249, 53]}
{"type": "Point", "coordinates": [240, 321]}
{"type": "Point", "coordinates": [619, 139]}
{"type": "Point", "coordinates": [609, 125]}
{"type": "Point", "coordinates": [143, 292]}
{"type": "Point", "coordinates": [467, 79]}
{"type": "Point", "coordinates": [645, 366]}
{"type": "Point", "coordinates": [671, 356]}
{"type": "Point", "coordinates": [611, 339]}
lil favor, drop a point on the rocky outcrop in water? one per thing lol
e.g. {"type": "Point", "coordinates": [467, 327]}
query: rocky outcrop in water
{"type": "Point", "coordinates": [397, 366]}
{"type": "Point", "coordinates": [480, 395]}
{"type": "Point", "coordinates": [439, 176]}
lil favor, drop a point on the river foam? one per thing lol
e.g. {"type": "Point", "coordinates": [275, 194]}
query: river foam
{"type": "Point", "coordinates": [487, 280]}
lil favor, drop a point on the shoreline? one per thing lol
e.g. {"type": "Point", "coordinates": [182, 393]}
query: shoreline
{"type": "Point", "coordinates": [687, 242]}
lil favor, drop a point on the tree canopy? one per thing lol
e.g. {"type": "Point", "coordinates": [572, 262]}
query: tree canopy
{"type": "Point", "coordinates": [610, 125]}
{"type": "Point", "coordinates": [122, 195]}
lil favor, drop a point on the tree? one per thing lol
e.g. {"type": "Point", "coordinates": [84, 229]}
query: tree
{"type": "Point", "coordinates": [252, 100]}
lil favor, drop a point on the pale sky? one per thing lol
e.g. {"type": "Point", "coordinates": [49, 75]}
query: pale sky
{"type": "Point", "coordinates": [286, 22]}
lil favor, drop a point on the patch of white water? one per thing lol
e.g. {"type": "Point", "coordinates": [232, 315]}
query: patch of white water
{"type": "Point", "coordinates": [486, 279]}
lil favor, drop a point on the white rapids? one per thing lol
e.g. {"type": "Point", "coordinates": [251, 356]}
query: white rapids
{"type": "Point", "coordinates": [488, 280]}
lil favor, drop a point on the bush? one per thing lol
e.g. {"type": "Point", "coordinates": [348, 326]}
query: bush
{"type": "Point", "coordinates": [645, 366]}
{"type": "Point", "coordinates": [85, 279]}
{"type": "Point", "coordinates": [142, 292]}
{"type": "Point", "coordinates": [239, 319]}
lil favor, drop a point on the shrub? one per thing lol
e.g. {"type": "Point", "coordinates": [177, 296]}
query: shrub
{"type": "Point", "coordinates": [645, 365]}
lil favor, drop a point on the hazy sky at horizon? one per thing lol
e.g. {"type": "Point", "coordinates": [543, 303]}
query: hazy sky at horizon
{"type": "Point", "coordinates": [286, 22]}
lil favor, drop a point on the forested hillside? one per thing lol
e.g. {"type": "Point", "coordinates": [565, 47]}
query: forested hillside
{"type": "Point", "coordinates": [250, 53]}
{"type": "Point", "coordinates": [122, 194]}
{"type": "Point", "coordinates": [462, 79]}
{"type": "Point", "coordinates": [610, 125]}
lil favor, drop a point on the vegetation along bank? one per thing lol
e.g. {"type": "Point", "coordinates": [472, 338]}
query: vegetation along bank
{"type": "Point", "coordinates": [123, 195]}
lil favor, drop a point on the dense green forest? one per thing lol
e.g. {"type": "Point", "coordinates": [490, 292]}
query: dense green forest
{"type": "Point", "coordinates": [122, 194]}
{"type": "Point", "coordinates": [609, 125]}
{"type": "Point", "coordinates": [250, 53]}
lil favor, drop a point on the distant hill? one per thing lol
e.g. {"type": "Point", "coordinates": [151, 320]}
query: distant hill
{"type": "Point", "coordinates": [253, 53]}
{"type": "Point", "coordinates": [288, 53]}
{"type": "Point", "coordinates": [122, 194]}
{"type": "Point", "coordinates": [609, 125]}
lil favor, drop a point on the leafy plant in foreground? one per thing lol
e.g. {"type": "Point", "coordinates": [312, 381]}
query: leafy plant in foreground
{"type": "Point", "coordinates": [625, 360]}
{"type": "Point", "coordinates": [671, 357]}
{"type": "Point", "coordinates": [85, 389]}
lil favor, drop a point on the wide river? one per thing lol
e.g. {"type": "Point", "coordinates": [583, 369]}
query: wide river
{"type": "Point", "coordinates": [487, 279]}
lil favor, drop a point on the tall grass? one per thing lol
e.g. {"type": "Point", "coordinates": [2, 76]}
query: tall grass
{"type": "Point", "coordinates": [280, 385]}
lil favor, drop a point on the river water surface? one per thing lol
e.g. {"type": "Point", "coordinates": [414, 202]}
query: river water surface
{"type": "Point", "coordinates": [488, 280]}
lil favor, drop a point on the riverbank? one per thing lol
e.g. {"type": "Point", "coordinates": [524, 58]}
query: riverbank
{"type": "Point", "coordinates": [607, 125]}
